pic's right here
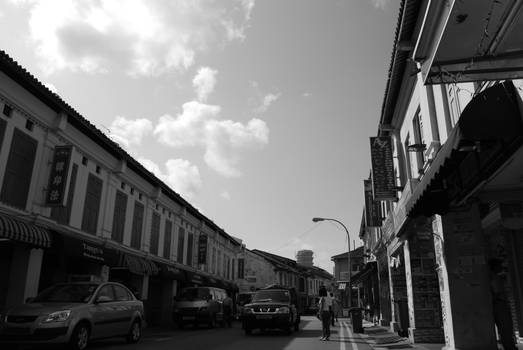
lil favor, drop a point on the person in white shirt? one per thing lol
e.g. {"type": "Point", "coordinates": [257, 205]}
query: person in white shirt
{"type": "Point", "coordinates": [324, 312]}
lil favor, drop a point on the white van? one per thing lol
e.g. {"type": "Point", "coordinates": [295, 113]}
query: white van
{"type": "Point", "coordinates": [199, 305]}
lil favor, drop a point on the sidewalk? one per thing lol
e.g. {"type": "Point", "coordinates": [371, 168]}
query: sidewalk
{"type": "Point", "coordinates": [381, 338]}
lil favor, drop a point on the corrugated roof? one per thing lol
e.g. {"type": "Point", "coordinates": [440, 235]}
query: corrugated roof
{"type": "Point", "coordinates": [407, 19]}
{"type": "Point", "coordinates": [23, 77]}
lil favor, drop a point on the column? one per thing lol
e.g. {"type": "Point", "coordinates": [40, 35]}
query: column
{"type": "Point", "coordinates": [425, 324]}
{"type": "Point", "coordinates": [25, 274]}
{"type": "Point", "coordinates": [464, 280]}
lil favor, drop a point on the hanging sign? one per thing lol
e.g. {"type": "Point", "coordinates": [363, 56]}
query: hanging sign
{"type": "Point", "coordinates": [202, 249]}
{"type": "Point", "coordinates": [372, 207]}
{"type": "Point", "coordinates": [383, 180]}
{"type": "Point", "coordinates": [241, 268]}
{"type": "Point", "coordinates": [58, 179]}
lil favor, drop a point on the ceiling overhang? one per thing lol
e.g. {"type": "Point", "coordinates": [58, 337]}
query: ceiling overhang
{"type": "Point", "coordinates": [471, 40]}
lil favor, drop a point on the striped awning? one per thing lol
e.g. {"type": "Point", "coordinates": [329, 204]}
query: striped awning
{"type": "Point", "coordinates": [24, 232]}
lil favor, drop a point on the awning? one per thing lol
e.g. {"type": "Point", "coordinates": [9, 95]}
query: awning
{"type": "Point", "coordinates": [488, 132]}
{"type": "Point", "coordinates": [363, 275]}
{"type": "Point", "coordinates": [24, 232]}
{"type": "Point", "coordinates": [139, 265]}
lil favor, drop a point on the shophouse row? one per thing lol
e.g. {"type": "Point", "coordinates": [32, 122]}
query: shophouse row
{"type": "Point", "coordinates": [75, 206]}
{"type": "Point", "coordinates": [444, 205]}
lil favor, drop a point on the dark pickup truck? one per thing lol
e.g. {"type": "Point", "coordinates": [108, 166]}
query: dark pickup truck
{"type": "Point", "coordinates": [272, 307]}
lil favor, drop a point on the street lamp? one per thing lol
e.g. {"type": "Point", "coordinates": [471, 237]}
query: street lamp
{"type": "Point", "coordinates": [348, 253]}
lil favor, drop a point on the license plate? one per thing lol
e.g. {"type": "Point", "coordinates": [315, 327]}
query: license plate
{"type": "Point", "coordinates": [263, 317]}
{"type": "Point", "coordinates": [188, 318]}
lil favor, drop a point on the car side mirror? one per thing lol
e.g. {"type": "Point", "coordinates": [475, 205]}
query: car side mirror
{"type": "Point", "coordinates": [29, 300]}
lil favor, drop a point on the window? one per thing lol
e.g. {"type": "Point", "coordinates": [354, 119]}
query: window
{"type": "Point", "coordinates": [93, 196]}
{"type": "Point", "coordinates": [62, 215]}
{"type": "Point", "coordinates": [454, 107]}
{"type": "Point", "coordinates": [181, 242]}
{"type": "Point", "coordinates": [167, 239]}
{"type": "Point", "coordinates": [7, 110]}
{"type": "Point", "coordinates": [120, 207]}
{"type": "Point", "coordinates": [155, 234]}
{"type": "Point", "coordinates": [419, 139]}
{"type": "Point", "coordinates": [3, 124]}
{"type": "Point", "coordinates": [407, 158]}
{"type": "Point", "coordinates": [19, 170]}
{"type": "Point", "coordinates": [136, 230]}
{"type": "Point", "coordinates": [190, 242]}
{"type": "Point", "coordinates": [120, 294]}
{"type": "Point", "coordinates": [106, 294]}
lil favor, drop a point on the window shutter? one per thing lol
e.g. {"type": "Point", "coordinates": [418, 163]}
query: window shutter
{"type": "Point", "coordinates": [120, 206]}
{"type": "Point", "coordinates": [190, 241]}
{"type": "Point", "coordinates": [155, 233]}
{"type": "Point", "coordinates": [62, 215]}
{"type": "Point", "coordinates": [167, 239]}
{"type": "Point", "coordinates": [181, 241]}
{"type": "Point", "coordinates": [93, 196]}
{"type": "Point", "coordinates": [136, 232]}
{"type": "Point", "coordinates": [19, 170]}
{"type": "Point", "coordinates": [3, 124]}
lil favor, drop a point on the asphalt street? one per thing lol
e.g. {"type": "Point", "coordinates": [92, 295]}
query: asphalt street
{"type": "Point", "coordinates": [307, 338]}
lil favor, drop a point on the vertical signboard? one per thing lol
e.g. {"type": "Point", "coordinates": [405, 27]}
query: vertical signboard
{"type": "Point", "coordinates": [202, 249]}
{"type": "Point", "coordinates": [383, 181]}
{"type": "Point", "coordinates": [241, 268]}
{"type": "Point", "coordinates": [58, 178]}
{"type": "Point", "coordinates": [372, 207]}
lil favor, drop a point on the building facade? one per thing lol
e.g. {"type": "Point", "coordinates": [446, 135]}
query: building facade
{"type": "Point", "coordinates": [452, 114]}
{"type": "Point", "coordinates": [76, 206]}
{"type": "Point", "coordinates": [342, 277]}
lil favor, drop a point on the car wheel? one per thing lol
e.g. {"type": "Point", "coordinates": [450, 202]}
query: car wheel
{"type": "Point", "coordinates": [80, 337]}
{"type": "Point", "coordinates": [135, 332]}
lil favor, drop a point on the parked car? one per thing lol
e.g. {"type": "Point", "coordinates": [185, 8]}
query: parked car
{"type": "Point", "coordinates": [272, 307]}
{"type": "Point", "coordinates": [74, 314]}
{"type": "Point", "coordinates": [197, 305]}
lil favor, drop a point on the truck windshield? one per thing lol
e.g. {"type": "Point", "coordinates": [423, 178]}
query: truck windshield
{"type": "Point", "coordinates": [194, 294]}
{"type": "Point", "coordinates": [272, 295]}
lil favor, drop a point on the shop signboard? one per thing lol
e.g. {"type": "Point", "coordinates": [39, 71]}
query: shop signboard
{"type": "Point", "coordinates": [90, 251]}
{"type": "Point", "coordinates": [172, 272]}
{"type": "Point", "coordinates": [202, 249]}
{"type": "Point", "coordinates": [58, 178]}
{"type": "Point", "coordinates": [372, 207]}
{"type": "Point", "coordinates": [383, 179]}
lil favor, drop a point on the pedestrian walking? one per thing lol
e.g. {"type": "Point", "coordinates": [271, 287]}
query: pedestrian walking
{"type": "Point", "coordinates": [227, 310]}
{"type": "Point", "coordinates": [335, 309]}
{"type": "Point", "coordinates": [324, 313]}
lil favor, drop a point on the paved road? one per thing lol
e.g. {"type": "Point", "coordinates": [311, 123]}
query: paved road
{"type": "Point", "coordinates": [234, 339]}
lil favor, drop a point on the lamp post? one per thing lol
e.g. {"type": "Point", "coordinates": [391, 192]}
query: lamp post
{"type": "Point", "coordinates": [348, 253]}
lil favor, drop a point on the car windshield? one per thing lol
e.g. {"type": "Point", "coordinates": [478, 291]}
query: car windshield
{"type": "Point", "coordinates": [272, 295]}
{"type": "Point", "coordinates": [244, 298]}
{"type": "Point", "coordinates": [194, 294]}
{"type": "Point", "coordinates": [74, 293]}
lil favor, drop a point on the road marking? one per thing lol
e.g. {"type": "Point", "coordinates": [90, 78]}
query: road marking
{"type": "Point", "coordinates": [349, 336]}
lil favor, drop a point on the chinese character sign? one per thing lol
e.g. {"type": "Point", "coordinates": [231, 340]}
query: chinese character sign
{"type": "Point", "coordinates": [60, 170]}
{"type": "Point", "coordinates": [372, 207]}
{"type": "Point", "coordinates": [202, 249]}
{"type": "Point", "coordinates": [383, 181]}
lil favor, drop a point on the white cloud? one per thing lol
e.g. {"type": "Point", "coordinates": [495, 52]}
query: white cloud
{"type": "Point", "coordinates": [224, 141]}
{"type": "Point", "coordinates": [225, 195]}
{"type": "Point", "coordinates": [128, 132]}
{"type": "Point", "coordinates": [267, 101]}
{"type": "Point", "coordinates": [381, 4]}
{"type": "Point", "coordinates": [139, 36]}
{"type": "Point", "coordinates": [204, 82]}
{"type": "Point", "coordinates": [182, 176]}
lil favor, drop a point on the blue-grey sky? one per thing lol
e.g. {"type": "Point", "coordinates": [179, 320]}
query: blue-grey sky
{"type": "Point", "coordinates": [258, 112]}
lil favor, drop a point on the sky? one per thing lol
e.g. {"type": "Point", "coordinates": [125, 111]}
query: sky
{"type": "Point", "coordinates": [257, 112]}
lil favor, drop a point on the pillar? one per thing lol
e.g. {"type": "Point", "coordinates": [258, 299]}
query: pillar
{"type": "Point", "coordinates": [464, 280]}
{"type": "Point", "coordinates": [424, 304]}
{"type": "Point", "coordinates": [24, 275]}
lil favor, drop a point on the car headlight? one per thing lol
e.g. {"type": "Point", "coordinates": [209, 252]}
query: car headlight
{"type": "Point", "coordinates": [248, 310]}
{"type": "Point", "coordinates": [283, 310]}
{"type": "Point", "coordinates": [58, 316]}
